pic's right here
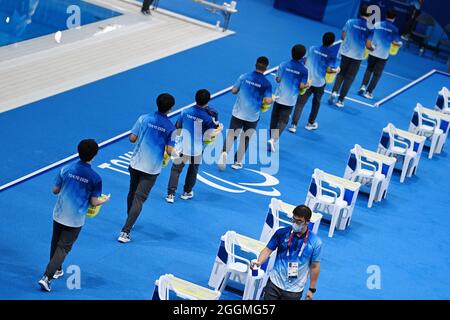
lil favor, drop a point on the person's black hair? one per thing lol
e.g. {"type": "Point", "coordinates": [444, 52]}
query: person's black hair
{"type": "Point", "coordinates": [303, 211]}
{"type": "Point", "coordinates": [328, 39]}
{"type": "Point", "coordinates": [262, 63]}
{"type": "Point", "coordinates": [363, 11]}
{"type": "Point", "coordinates": [298, 51]}
{"type": "Point", "coordinates": [165, 102]}
{"type": "Point", "coordinates": [87, 149]}
{"type": "Point", "coordinates": [391, 14]}
{"type": "Point", "coordinates": [202, 97]}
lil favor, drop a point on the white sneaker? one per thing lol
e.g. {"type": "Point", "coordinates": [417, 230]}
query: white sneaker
{"type": "Point", "coordinates": [222, 161]}
{"type": "Point", "coordinates": [362, 90]}
{"type": "Point", "coordinates": [187, 195]}
{"type": "Point", "coordinates": [45, 284]}
{"type": "Point", "coordinates": [58, 273]}
{"type": "Point", "coordinates": [293, 128]}
{"type": "Point", "coordinates": [332, 98]}
{"type": "Point", "coordinates": [170, 198]}
{"type": "Point", "coordinates": [271, 145]}
{"type": "Point", "coordinates": [237, 166]}
{"type": "Point", "coordinates": [124, 237]}
{"type": "Point", "coordinates": [340, 104]}
{"type": "Point", "coordinates": [368, 95]}
{"type": "Point", "coordinates": [312, 126]}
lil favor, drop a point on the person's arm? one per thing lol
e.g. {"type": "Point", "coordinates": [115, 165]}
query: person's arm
{"type": "Point", "coordinates": [96, 201]}
{"type": "Point", "coordinates": [56, 189]}
{"type": "Point", "coordinates": [369, 45]}
{"type": "Point", "coordinates": [234, 90]}
{"type": "Point", "coordinates": [263, 256]}
{"type": "Point", "coordinates": [343, 35]}
{"type": "Point", "coordinates": [314, 275]}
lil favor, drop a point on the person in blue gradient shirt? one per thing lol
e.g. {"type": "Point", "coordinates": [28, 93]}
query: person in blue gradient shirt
{"type": "Point", "coordinates": [252, 90]}
{"type": "Point", "coordinates": [194, 123]}
{"type": "Point", "coordinates": [77, 187]}
{"type": "Point", "coordinates": [385, 33]}
{"type": "Point", "coordinates": [356, 36]}
{"type": "Point", "coordinates": [292, 76]}
{"type": "Point", "coordinates": [154, 136]}
{"type": "Point", "coordinates": [299, 252]}
{"type": "Point", "coordinates": [320, 60]}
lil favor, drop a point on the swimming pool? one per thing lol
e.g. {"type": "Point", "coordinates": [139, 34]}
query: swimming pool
{"type": "Point", "coordinates": [27, 19]}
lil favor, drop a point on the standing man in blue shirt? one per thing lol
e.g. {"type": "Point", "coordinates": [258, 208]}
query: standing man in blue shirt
{"type": "Point", "coordinates": [385, 34]}
{"type": "Point", "coordinates": [153, 135]}
{"type": "Point", "coordinates": [77, 187]}
{"type": "Point", "coordinates": [194, 123]}
{"type": "Point", "coordinates": [299, 253]}
{"type": "Point", "coordinates": [292, 76]}
{"type": "Point", "coordinates": [320, 60]}
{"type": "Point", "coordinates": [356, 36]}
{"type": "Point", "coordinates": [252, 90]}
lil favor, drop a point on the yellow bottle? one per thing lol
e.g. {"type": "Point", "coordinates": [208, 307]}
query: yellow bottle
{"type": "Point", "coordinates": [393, 50]}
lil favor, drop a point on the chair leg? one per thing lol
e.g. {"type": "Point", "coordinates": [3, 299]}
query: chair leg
{"type": "Point", "coordinates": [334, 218]}
{"type": "Point", "coordinates": [434, 140]}
{"type": "Point", "coordinates": [373, 191]}
{"type": "Point", "coordinates": [224, 282]}
{"type": "Point", "coordinates": [405, 167]}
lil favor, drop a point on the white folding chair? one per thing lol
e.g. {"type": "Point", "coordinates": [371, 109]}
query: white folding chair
{"type": "Point", "coordinates": [428, 127]}
{"type": "Point", "coordinates": [442, 101]}
{"type": "Point", "coordinates": [399, 149]}
{"type": "Point", "coordinates": [236, 265]}
{"type": "Point", "coordinates": [183, 289]}
{"type": "Point", "coordinates": [327, 200]}
{"type": "Point", "coordinates": [366, 173]}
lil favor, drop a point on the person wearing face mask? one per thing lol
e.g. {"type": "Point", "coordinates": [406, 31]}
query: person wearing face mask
{"type": "Point", "coordinates": [298, 255]}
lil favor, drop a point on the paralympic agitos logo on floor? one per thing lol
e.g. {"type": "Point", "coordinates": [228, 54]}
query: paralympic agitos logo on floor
{"type": "Point", "coordinates": [241, 187]}
{"type": "Point", "coordinates": [246, 180]}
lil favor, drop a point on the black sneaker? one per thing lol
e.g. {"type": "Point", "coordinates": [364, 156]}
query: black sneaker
{"type": "Point", "coordinates": [146, 12]}
{"type": "Point", "coordinates": [45, 284]}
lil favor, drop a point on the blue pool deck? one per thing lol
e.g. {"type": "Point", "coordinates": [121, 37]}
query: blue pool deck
{"type": "Point", "coordinates": [22, 20]}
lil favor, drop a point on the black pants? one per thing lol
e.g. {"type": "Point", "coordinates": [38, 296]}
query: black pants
{"type": "Point", "coordinates": [301, 101]}
{"type": "Point", "coordinates": [409, 26]}
{"type": "Point", "coordinates": [140, 185]}
{"type": "Point", "coordinates": [191, 176]}
{"type": "Point", "coordinates": [236, 126]}
{"type": "Point", "coordinates": [146, 5]}
{"type": "Point", "coordinates": [375, 66]}
{"type": "Point", "coordinates": [279, 119]}
{"type": "Point", "coordinates": [272, 292]}
{"type": "Point", "coordinates": [63, 238]}
{"type": "Point", "coordinates": [349, 69]}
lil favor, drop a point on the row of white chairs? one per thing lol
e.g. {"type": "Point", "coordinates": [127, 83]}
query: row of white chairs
{"type": "Point", "coordinates": [328, 193]}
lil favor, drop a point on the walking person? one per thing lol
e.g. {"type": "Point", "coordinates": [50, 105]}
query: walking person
{"type": "Point", "coordinates": [299, 252]}
{"type": "Point", "coordinates": [145, 9]}
{"type": "Point", "coordinates": [252, 90]}
{"type": "Point", "coordinates": [320, 61]}
{"type": "Point", "coordinates": [356, 36]}
{"type": "Point", "coordinates": [153, 136]}
{"type": "Point", "coordinates": [78, 186]}
{"type": "Point", "coordinates": [385, 35]}
{"type": "Point", "coordinates": [292, 77]}
{"type": "Point", "coordinates": [194, 124]}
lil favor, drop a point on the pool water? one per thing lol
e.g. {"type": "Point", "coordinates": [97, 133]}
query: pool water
{"type": "Point", "coordinates": [22, 20]}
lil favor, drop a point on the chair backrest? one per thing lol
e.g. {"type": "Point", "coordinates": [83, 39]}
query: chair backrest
{"type": "Point", "coordinates": [442, 99]}
{"type": "Point", "coordinates": [358, 155]}
{"type": "Point", "coordinates": [319, 178]}
{"type": "Point", "coordinates": [230, 241]}
{"type": "Point", "coordinates": [424, 25]}
{"type": "Point", "coordinates": [426, 19]}
{"type": "Point", "coordinates": [392, 131]}
{"type": "Point", "coordinates": [183, 289]}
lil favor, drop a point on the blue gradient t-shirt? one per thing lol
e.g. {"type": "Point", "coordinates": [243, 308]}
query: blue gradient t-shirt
{"type": "Point", "coordinates": [318, 60]}
{"type": "Point", "coordinates": [253, 87]}
{"type": "Point", "coordinates": [292, 73]}
{"type": "Point", "coordinates": [357, 33]}
{"type": "Point", "coordinates": [78, 183]}
{"type": "Point", "coordinates": [385, 32]}
{"type": "Point", "coordinates": [312, 253]}
{"type": "Point", "coordinates": [195, 121]}
{"type": "Point", "coordinates": [154, 133]}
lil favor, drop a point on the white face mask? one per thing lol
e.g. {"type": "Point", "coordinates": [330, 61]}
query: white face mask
{"type": "Point", "coordinates": [297, 227]}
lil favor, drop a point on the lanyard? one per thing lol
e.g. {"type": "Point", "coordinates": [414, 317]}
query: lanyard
{"type": "Point", "coordinates": [305, 240]}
